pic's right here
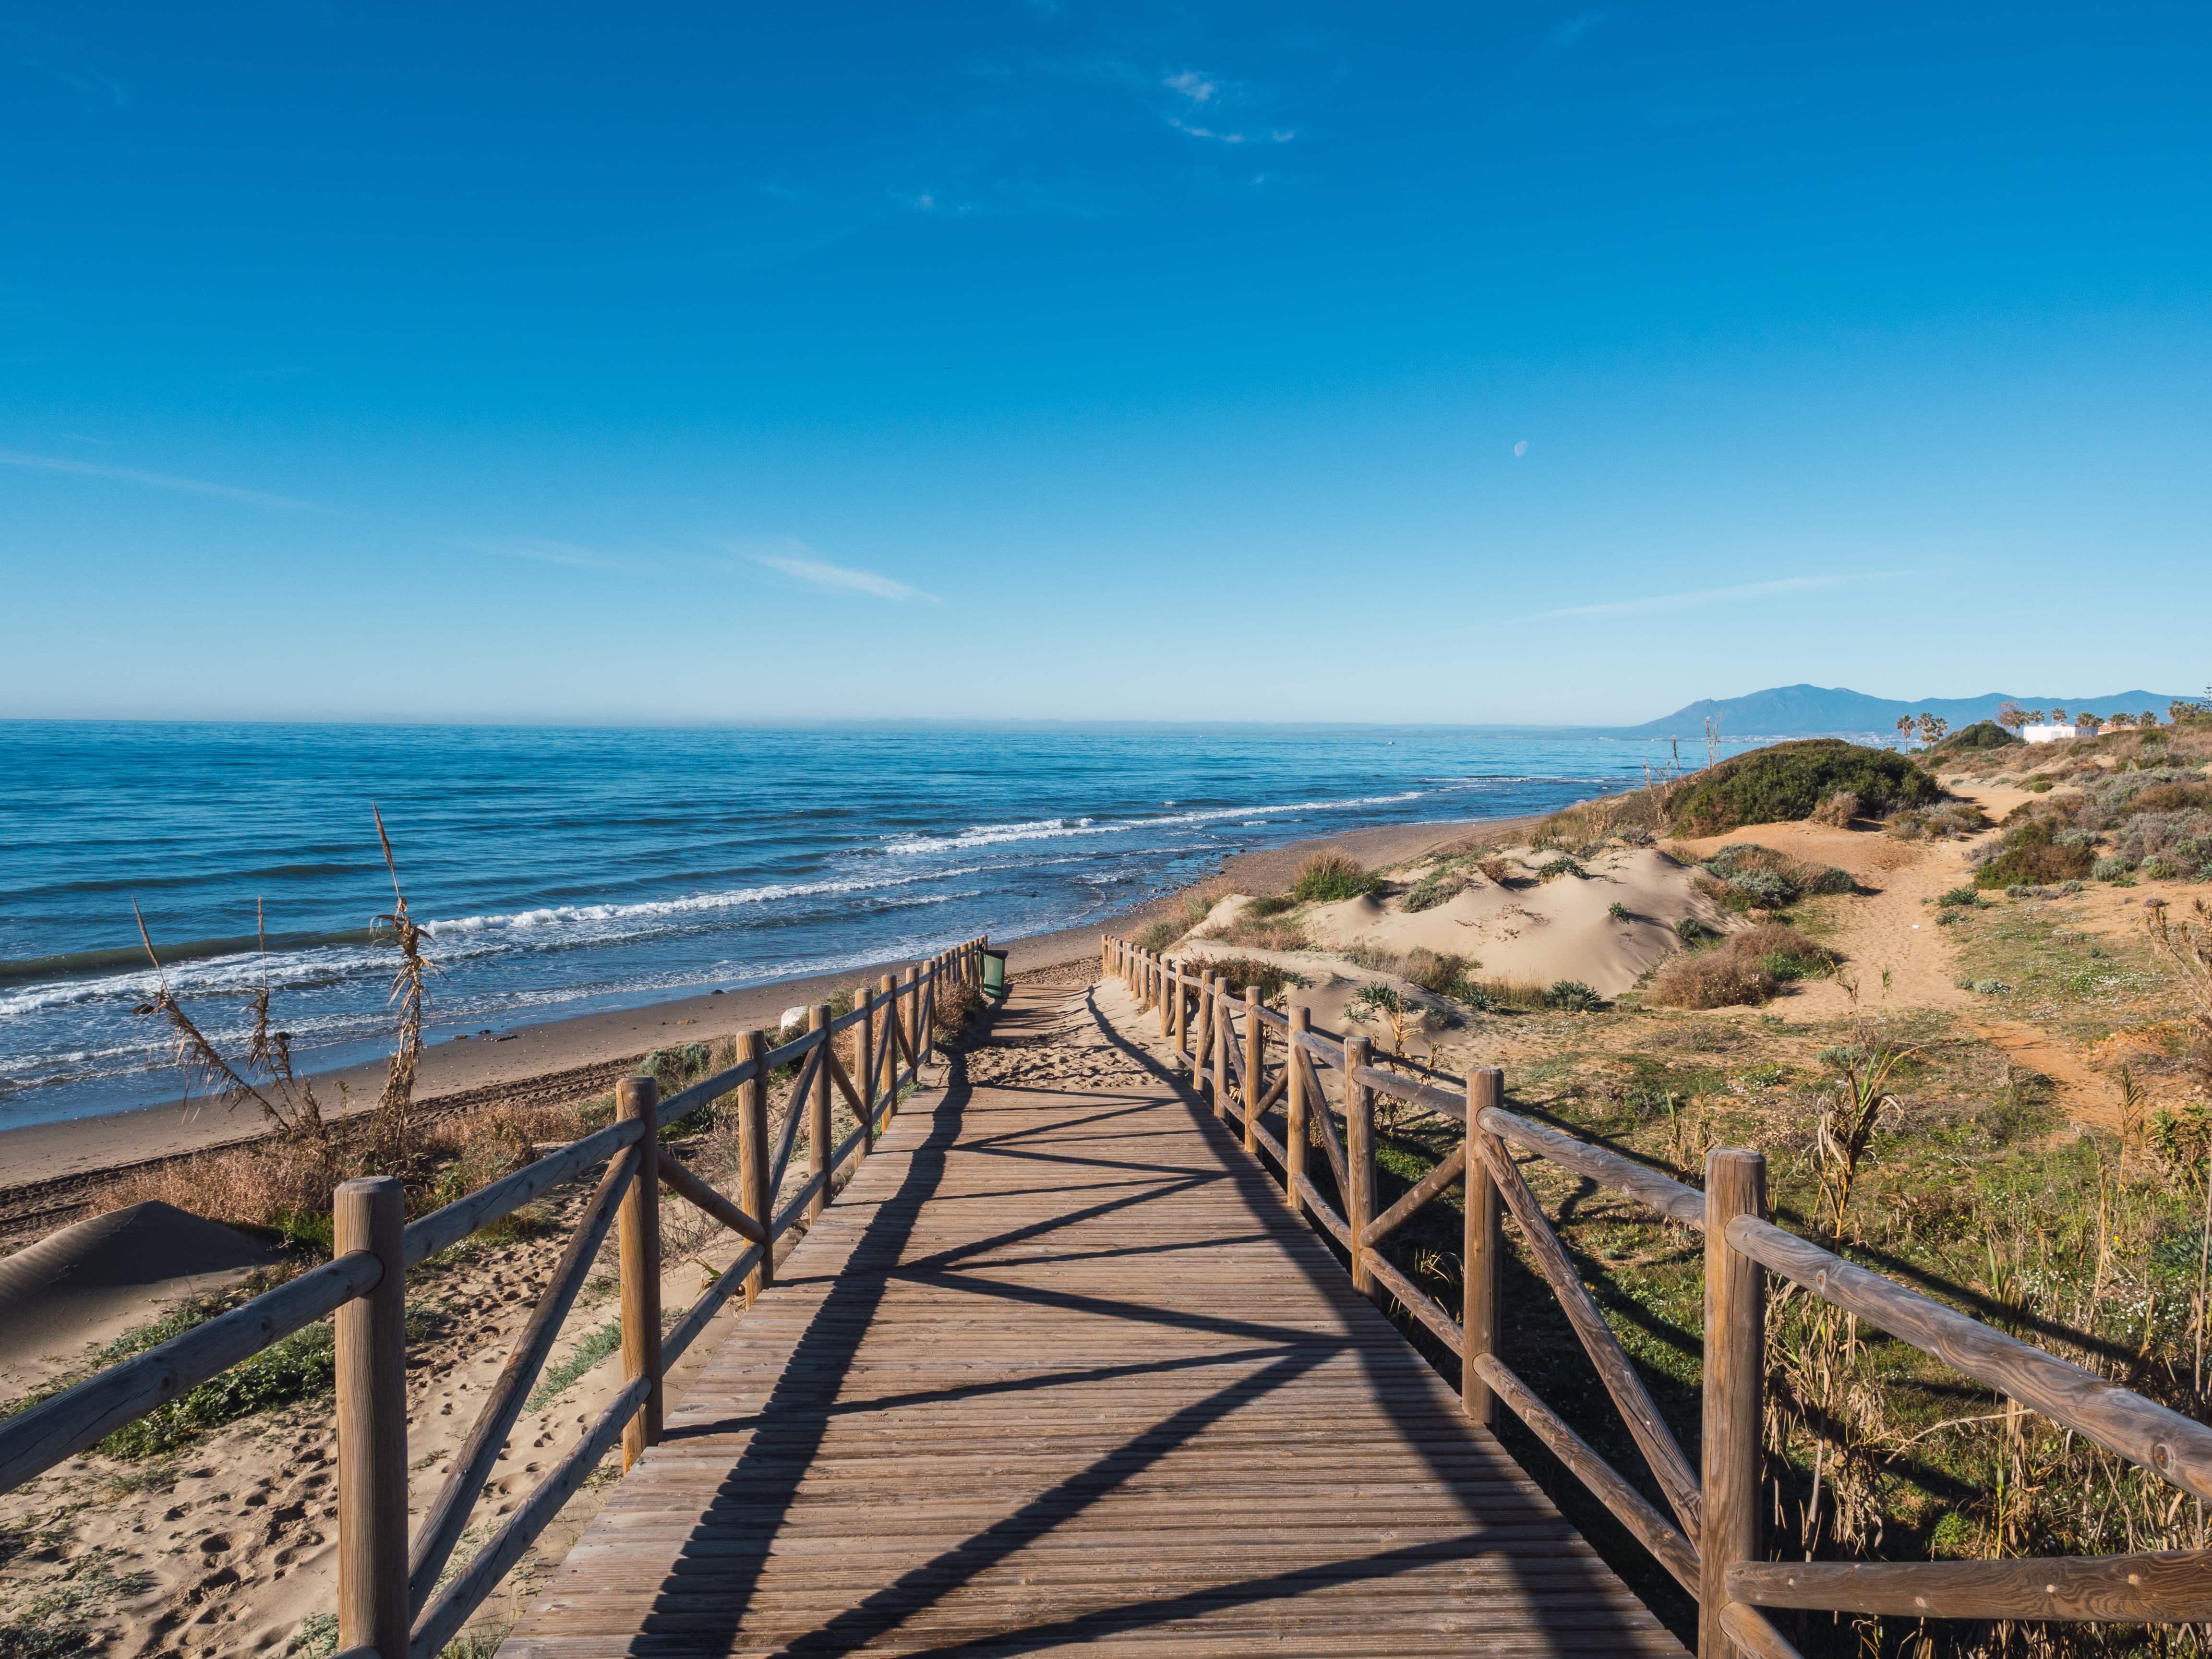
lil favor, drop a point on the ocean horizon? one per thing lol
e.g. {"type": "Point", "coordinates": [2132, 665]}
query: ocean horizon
{"type": "Point", "coordinates": [563, 870]}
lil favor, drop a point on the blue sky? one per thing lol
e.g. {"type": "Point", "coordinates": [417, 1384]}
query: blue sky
{"type": "Point", "coordinates": [1394, 362]}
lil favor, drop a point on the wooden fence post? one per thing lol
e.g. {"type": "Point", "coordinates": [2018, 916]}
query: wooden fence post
{"type": "Point", "coordinates": [1180, 1019]}
{"type": "Point", "coordinates": [1481, 1248]}
{"type": "Point", "coordinates": [1254, 1052]}
{"type": "Point", "coordinates": [864, 1077]}
{"type": "Point", "coordinates": [913, 993]}
{"type": "Point", "coordinates": [817, 1115]}
{"type": "Point", "coordinates": [371, 1406]}
{"type": "Point", "coordinates": [1736, 1357]}
{"type": "Point", "coordinates": [753, 1196]}
{"type": "Point", "coordinates": [638, 1232]}
{"type": "Point", "coordinates": [1359, 1158]}
{"type": "Point", "coordinates": [1220, 984]}
{"type": "Point", "coordinates": [1295, 1106]}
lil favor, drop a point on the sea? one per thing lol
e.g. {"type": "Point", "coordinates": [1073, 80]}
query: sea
{"type": "Point", "coordinates": [564, 871]}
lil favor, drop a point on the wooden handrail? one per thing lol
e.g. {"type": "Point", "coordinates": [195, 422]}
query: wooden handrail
{"type": "Point", "coordinates": [1670, 1198]}
{"type": "Point", "coordinates": [34, 1441]}
{"type": "Point", "coordinates": [1615, 1370]}
{"type": "Point", "coordinates": [1417, 1197]}
{"type": "Point", "coordinates": [1729, 1581]}
{"type": "Point", "coordinates": [449, 1514]}
{"type": "Point", "coordinates": [2168, 1587]}
{"type": "Point", "coordinates": [1672, 1550]}
{"type": "Point", "coordinates": [2119, 1419]}
{"type": "Point", "coordinates": [688, 1186]}
{"type": "Point", "coordinates": [441, 1230]}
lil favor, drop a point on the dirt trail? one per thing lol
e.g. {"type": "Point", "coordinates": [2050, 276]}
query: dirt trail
{"type": "Point", "coordinates": [1900, 959]}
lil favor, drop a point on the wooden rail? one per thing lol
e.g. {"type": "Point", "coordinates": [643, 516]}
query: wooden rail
{"type": "Point", "coordinates": [1712, 1545]}
{"type": "Point", "coordinates": [386, 1609]}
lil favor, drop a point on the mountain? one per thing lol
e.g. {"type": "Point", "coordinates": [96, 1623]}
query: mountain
{"type": "Point", "coordinates": [1814, 711]}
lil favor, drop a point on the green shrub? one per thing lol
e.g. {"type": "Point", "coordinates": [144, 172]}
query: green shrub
{"type": "Point", "coordinates": [1772, 880]}
{"type": "Point", "coordinates": [1618, 911]}
{"type": "Point", "coordinates": [2031, 857]}
{"type": "Point", "coordinates": [1963, 897]}
{"type": "Point", "coordinates": [1690, 930]}
{"type": "Point", "coordinates": [1551, 869]}
{"type": "Point", "coordinates": [1572, 996]}
{"type": "Point", "coordinates": [1785, 782]}
{"type": "Point", "coordinates": [1327, 877]}
{"type": "Point", "coordinates": [1981, 735]}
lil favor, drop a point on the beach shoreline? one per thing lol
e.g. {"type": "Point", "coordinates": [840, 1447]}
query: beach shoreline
{"type": "Point", "coordinates": [44, 1166]}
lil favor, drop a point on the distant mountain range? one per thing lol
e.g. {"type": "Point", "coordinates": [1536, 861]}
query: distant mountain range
{"type": "Point", "coordinates": [1814, 711]}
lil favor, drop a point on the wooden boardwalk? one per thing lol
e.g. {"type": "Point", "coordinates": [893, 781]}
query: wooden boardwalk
{"type": "Point", "coordinates": [1060, 1369]}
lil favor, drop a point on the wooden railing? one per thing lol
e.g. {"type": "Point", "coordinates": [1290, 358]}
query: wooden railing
{"type": "Point", "coordinates": [386, 1606]}
{"type": "Point", "coordinates": [1711, 1544]}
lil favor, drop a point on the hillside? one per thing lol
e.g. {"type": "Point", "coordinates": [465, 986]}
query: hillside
{"type": "Point", "coordinates": [1810, 711]}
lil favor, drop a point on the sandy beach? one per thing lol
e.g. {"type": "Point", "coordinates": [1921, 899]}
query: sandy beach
{"type": "Point", "coordinates": [47, 1169]}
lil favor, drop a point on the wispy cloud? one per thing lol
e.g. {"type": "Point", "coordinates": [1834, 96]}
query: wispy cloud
{"type": "Point", "coordinates": [88, 83]}
{"type": "Point", "coordinates": [538, 548]}
{"type": "Point", "coordinates": [1199, 88]}
{"type": "Point", "coordinates": [155, 480]}
{"type": "Point", "coordinates": [837, 579]}
{"type": "Point", "coordinates": [1707, 596]}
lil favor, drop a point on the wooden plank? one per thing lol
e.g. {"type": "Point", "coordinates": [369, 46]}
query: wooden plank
{"type": "Point", "coordinates": [2119, 1419]}
{"type": "Point", "coordinates": [1059, 1369]}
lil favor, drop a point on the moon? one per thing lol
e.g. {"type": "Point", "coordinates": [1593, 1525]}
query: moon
{"type": "Point", "coordinates": [1521, 448]}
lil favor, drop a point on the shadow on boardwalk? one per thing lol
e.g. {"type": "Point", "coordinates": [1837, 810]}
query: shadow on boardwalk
{"type": "Point", "coordinates": [1061, 1367]}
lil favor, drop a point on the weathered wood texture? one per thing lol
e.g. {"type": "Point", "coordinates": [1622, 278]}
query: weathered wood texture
{"type": "Point", "coordinates": [1060, 1369]}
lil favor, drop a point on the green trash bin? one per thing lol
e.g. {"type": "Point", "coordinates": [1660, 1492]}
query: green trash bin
{"type": "Point", "coordinates": [994, 974]}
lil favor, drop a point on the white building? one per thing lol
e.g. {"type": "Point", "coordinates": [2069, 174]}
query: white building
{"type": "Point", "coordinates": [2054, 733]}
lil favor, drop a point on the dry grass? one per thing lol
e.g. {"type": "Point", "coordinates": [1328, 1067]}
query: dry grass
{"type": "Point", "coordinates": [1743, 968]}
{"type": "Point", "coordinates": [1487, 993]}
{"type": "Point", "coordinates": [1837, 810]}
{"type": "Point", "coordinates": [267, 1186]}
{"type": "Point", "coordinates": [1272, 979]}
{"type": "Point", "coordinates": [956, 1006]}
{"type": "Point", "coordinates": [1246, 931]}
{"type": "Point", "coordinates": [1710, 979]}
{"type": "Point", "coordinates": [1633, 815]}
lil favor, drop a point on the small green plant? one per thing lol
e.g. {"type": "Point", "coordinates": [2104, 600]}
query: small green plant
{"type": "Point", "coordinates": [1329, 878]}
{"type": "Point", "coordinates": [1618, 911]}
{"type": "Point", "coordinates": [1960, 898]}
{"type": "Point", "coordinates": [1439, 886]}
{"type": "Point", "coordinates": [1572, 996]}
{"type": "Point", "coordinates": [1690, 930]}
{"type": "Point", "coordinates": [556, 1380]}
{"type": "Point", "coordinates": [1553, 869]}
{"type": "Point", "coordinates": [297, 1367]}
